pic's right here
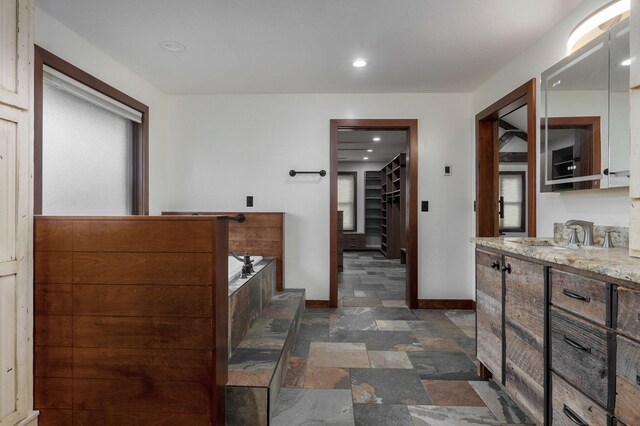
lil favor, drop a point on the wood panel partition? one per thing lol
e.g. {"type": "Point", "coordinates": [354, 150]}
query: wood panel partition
{"type": "Point", "coordinates": [261, 234]}
{"type": "Point", "coordinates": [131, 320]}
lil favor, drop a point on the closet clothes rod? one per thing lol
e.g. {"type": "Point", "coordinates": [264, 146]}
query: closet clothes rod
{"type": "Point", "coordinates": [322, 173]}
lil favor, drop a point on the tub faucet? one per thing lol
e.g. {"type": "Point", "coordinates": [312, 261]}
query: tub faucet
{"type": "Point", "coordinates": [247, 267]}
{"type": "Point", "coordinates": [587, 227]}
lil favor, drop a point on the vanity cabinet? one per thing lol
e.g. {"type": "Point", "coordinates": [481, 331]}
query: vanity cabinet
{"type": "Point", "coordinates": [564, 343]}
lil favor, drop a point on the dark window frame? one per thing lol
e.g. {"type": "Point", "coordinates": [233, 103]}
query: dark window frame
{"type": "Point", "coordinates": [140, 154]}
{"type": "Point", "coordinates": [523, 210]}
{"type": "Point", "coordinates": [355, 200]}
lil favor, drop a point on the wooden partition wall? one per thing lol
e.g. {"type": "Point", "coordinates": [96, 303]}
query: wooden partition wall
{"type": "Point", "coordinates": [131, 320]}
{"type": "Point", "coordinates": [261, 234]}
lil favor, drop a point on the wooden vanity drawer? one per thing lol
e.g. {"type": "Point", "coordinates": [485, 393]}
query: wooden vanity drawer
{"type": "Point", "coordinates": [628, 381]}
{"type": "Point", "coordinates": [579, 352]}
{"type": "Point", "coordinates": [580, 295]}
{"type": "Point", "coordinates": [570, 407]}
{"type": "Point", "coordinates": [629, 312]}
{"type": "Point", "coordinates": [488, 279]}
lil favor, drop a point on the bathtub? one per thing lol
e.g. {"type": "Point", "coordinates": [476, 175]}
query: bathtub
{"type": "Point", "coordinates": [235, 266]}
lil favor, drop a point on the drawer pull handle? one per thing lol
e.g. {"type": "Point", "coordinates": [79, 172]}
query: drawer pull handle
{"type": "Point", "coordinates": [576, 345]}
{"type": "Point", "coordinates": [573, 416]}
{"type": "Point", "coordinates": [507, 268]}
{"type": "Point", "coordinates": [574, 295]}
{"type": "Point", "coordinates": [495, 265]}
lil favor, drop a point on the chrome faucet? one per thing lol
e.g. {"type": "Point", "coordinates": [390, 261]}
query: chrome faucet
{"type": "Point", "coordinates": [587, 228]}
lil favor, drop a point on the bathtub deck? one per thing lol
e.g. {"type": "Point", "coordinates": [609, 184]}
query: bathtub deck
{"type": "Point", "coordinates": [259, 364]}
{"type": "Point", "coordinates": [248, 298]}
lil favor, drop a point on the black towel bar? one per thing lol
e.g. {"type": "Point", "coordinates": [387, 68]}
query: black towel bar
{"type": "Point", "coordinates": [292, 173]}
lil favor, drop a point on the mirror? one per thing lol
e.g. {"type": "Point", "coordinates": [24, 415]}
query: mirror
{"type": "Point", "coordinates": [585, 119]}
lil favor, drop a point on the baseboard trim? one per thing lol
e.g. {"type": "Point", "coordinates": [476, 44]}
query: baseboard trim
{"type": "Point", "coordinates": [464, 304]}
{"type": "Point", "coordinates": [317, 304]}
{"type": "Point", "coordinates": [31, 420]}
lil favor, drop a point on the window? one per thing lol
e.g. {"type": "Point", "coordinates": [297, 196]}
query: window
{"type": "Point", "coordinates": [512, 196]}
{"type": "Point", "coordinates": [347, 199]}
{"type": "Point", "coordinates": [91, 144]}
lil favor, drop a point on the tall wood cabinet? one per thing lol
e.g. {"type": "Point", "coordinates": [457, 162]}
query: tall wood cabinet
{"type": "Point", "coordinates": [372, 208]}
{"type": "Point", "coordinates": [16, 213]}
{"type": "Point", "coordinates": [393, 232]}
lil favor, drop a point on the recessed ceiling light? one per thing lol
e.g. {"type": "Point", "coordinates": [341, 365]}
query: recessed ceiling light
{"type": "Point", "coordinates": [377, 139]}
{"type": "Point", "coordinates": [365, 158]}
{"type": "Point", "coordinates": [626, 62]}
{"type": "Point", "coordinates": [369, 150]}
{"type": "Point", "coordinates": [359, 63]}
{"type": "Point", "coordinates": [172, 46]}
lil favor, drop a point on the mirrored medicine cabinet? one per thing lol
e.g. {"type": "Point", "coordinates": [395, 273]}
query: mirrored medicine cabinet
{"type": "Point", "coordinates": [584, 124]}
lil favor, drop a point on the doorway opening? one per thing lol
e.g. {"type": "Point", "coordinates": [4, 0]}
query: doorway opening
{"type": "Point", "coordinates": [506, 165]}
{"type": "Point", "coordinates": [373, 201]}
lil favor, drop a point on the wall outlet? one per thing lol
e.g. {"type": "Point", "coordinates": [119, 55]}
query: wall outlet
{"type": "Point", "coordinates": [425, 206]}
{"type": "Point", "coordinates": [447, 169]}
{"type": "Point", "coordinates": [249, 200]}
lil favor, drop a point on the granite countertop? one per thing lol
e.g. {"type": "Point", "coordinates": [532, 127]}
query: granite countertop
{"type": "Point", "coordinates": [612, 262]}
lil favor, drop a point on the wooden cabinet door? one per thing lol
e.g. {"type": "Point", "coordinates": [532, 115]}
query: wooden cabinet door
{"type": "Point", "coordinates": [524, 333]}
{"type": "Point", "coordinates": [15, 284]}
{"type": "Point", "coordinates": [15, 26]}
{"type": "Point", "coordinates": [489, 311]}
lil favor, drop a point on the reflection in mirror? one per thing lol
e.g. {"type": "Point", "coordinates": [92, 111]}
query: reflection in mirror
{"type": "Point", "coordinates": [574, 143]}
{"type": "Point", "coordinates": [512, 197]}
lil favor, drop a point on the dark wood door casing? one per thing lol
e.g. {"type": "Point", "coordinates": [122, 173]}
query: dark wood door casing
{"type": "Point", "coordinates": [411, 126]}
{"type": "Point", "coordinates": [488, 162]}
{"type": "Point", "coordinates": [140, 151]}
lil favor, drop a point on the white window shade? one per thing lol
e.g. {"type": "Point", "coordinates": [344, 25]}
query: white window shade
{"type": "Point", "coordinates": [512, 193]}
{"type": "Point", "coordinates": [347, 200]}
{"type": "Point", "coordinates": [87, 166]}
{"type": "Point", "coordinates": [63, 82]}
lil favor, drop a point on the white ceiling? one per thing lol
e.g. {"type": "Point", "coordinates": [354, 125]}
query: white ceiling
{"type": "Point", "coordinates": [307, 46]}
{"type": "Point", "coordinates": [353, 145]}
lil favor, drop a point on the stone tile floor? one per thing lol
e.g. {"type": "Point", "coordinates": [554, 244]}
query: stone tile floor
{"type": "Point", "coordinates": [373, 361]}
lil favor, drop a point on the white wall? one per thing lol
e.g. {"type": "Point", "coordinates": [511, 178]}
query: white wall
{"type": "Point", "coordinates": [360, 167]}
{"type": "Point", "coordinates": [224, 147]}
{"type": "Point", "coordinates": [605, 207]}
{"type": "Point", "coordinates": [58, 39]}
